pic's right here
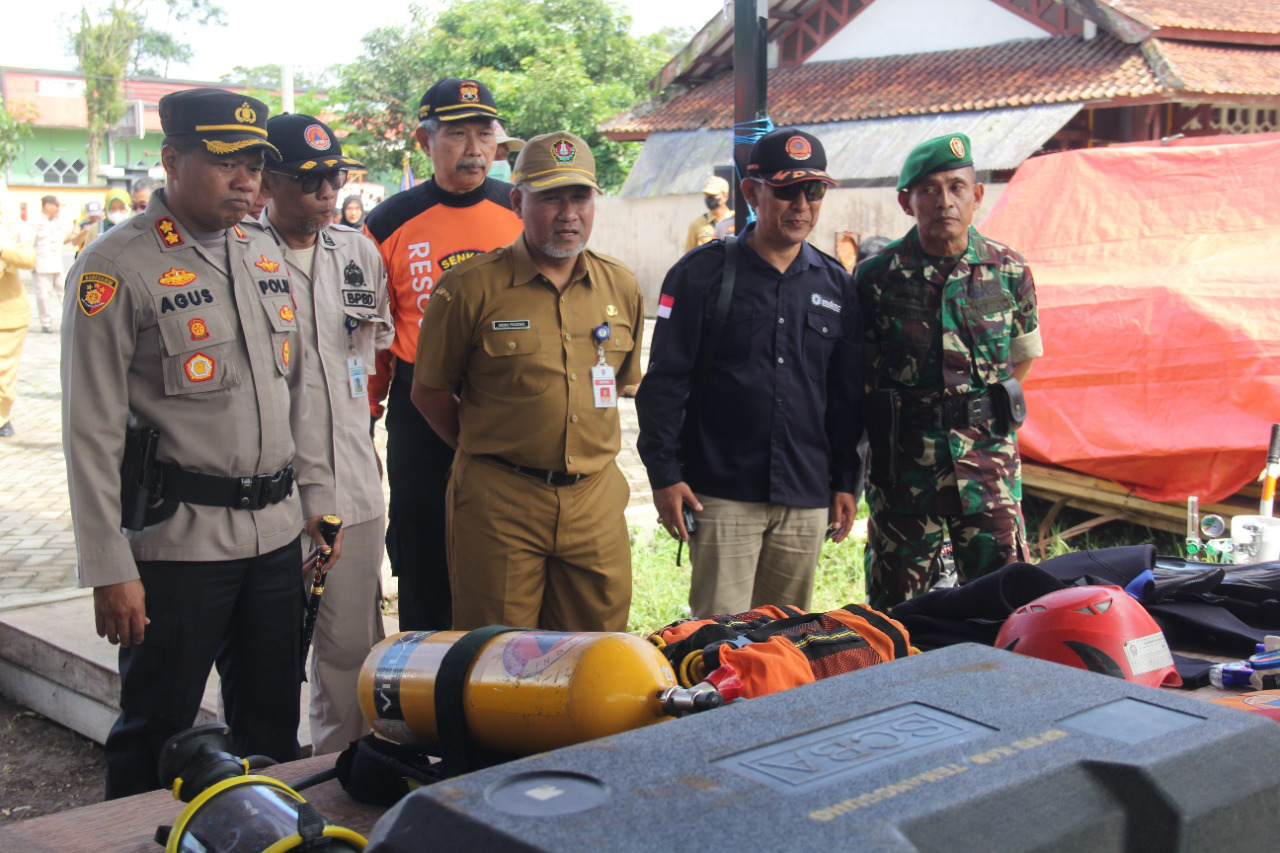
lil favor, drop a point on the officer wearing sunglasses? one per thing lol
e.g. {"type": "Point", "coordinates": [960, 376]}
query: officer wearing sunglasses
{"type": "Point", "coordinates": [343, 312]}
{"type": "Point", "coordinates": [763, 451]}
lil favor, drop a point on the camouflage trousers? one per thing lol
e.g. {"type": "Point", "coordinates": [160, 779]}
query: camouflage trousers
{"type": "Point", "coordinates": [903, 550]}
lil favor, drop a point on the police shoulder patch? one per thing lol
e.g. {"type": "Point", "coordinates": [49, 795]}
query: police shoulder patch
{"type": "Point", "coordinates": [168, 231]}
{"type": "Point", "coordinates": [95, 292]}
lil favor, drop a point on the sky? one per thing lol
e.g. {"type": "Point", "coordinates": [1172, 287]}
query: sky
{"type": "Point", "coordinates": [37, 32]}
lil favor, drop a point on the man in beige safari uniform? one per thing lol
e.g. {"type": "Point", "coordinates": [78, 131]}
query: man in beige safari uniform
{"type": "Point", "coordinates": [344, 316]}
{"type": "Point", "coordinates": [189, 457]}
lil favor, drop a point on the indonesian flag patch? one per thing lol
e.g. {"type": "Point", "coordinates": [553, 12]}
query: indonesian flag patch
{"type": "Point", "coordinates": [665, 302]}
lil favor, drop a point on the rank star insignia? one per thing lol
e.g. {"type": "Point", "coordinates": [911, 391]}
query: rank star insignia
{"type": "Point", "coordinates": [564, 151]}
{"type": "Point", "coordinates": [266, 265]}
{"type": "Point", "coordinates": [245, 114]}
{"type": "Point", "coordinates": [200, 367]}
{"type": "Point", "coordinates": [284, 352]}
{"type": "Point", "coordinates": [95, 292]}
{"type": "Point", "coordinates": [286, 313]}
{"type": "Point", "coordinates": [957, 147]}
{"type": "Point", "coordinates": [168, 231]}
{"type": "Point", "coordinates": [469, 91]}
{"type": "Point", "coordinates": [176, 277]}
{"type": "Point", "coordinates": [239, 233]}
{"type": "Point", "coordinates": [198, 328]}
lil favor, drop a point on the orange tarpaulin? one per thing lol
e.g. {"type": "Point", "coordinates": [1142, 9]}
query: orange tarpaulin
{"type": "Point", "coordinates": [1157, 270]}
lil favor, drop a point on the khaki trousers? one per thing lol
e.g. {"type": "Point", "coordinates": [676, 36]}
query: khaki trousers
{"type": "Point", "coordinates": [745, 555]}
{"type": "Point", "coordinates": [11, 341]}
{"type": "Point", "coordinates": [49, 295]}
{"type": "Point", "coordinates": [530, 555]}
{"type": "Point", "coordinates": [348, 625]}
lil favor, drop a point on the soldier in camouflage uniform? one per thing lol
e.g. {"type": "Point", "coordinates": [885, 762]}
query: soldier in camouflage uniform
{"type": "Point", "coordinates": [951, 315]}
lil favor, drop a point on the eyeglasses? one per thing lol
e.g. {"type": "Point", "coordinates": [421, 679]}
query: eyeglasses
{"type": "Point", "coordinates": [139, 206]}
{"type": "Point", "coordinates": [310, 184]}
{"type": "Point", "coordinates": [813, 190]}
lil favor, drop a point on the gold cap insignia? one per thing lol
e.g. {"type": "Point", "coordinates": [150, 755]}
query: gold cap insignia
{"type": "Point", "coordinates": [245, 114]}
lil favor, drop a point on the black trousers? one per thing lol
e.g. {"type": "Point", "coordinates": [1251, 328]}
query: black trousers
{"type": "Point", "coordinates": [245, 614]}
{"type": "Point", "coordinates": [418, 463]}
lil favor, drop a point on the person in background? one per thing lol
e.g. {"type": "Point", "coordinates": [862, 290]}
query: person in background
{"type": "Point", "coordinates": [15, 308]}
{"type": "Point", "coordinates": [715, 196]}
{"type": "Point", "coordinates": [117, 211]}
{"type": "Point", "coordinates": [140, 193]}
{"type": "Point", "coordinates": [507, 145]}
{"type": "Point", "coordinates": [51, 234]}
{"type": "Point", "coordinates": [352, 214]}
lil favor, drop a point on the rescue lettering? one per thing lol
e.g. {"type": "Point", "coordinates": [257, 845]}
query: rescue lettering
{"type": "Point", "coordinates": [273, 285]}
{"type": "Point", "coordinates": [420, 269]}
{"type": "Point", "coordinates": [190, 299]}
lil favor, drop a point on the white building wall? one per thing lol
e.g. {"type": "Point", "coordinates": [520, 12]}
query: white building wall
{"type": "Point", "coordinates": [891, 27]}
{"type": "Point", "coordinates": [647, 234]}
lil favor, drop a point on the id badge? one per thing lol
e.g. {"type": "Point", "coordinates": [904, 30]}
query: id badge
{"type": "Point", "coordinates": [604, 387]}
{"type": "Point", "coordinates": [356, 376]}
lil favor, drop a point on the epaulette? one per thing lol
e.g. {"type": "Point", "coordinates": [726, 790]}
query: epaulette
{"type": "Point", "coordinates": [477, 261]}
{"type": "Point", "coordinates": [609, 259]}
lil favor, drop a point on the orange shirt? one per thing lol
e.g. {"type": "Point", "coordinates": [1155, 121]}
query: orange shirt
{"type": "Point", "coordinates": [421, 233]}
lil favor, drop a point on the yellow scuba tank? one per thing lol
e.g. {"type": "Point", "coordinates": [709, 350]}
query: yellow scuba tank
{"type": "Point", "coordinates": [525, 691]}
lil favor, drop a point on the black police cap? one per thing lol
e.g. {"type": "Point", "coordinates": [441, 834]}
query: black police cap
{"type": "Point", "coordinates": [453, 99]}
{"type": "Point", "coordinates": [307, 144]}
{"type": "Point", "coordinates": [225, 122]}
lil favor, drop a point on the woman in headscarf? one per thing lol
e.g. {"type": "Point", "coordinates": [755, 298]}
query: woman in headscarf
{"type": "Point", "coordinates": [353, 212]}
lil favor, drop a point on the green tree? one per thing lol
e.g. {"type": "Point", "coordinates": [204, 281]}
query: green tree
{"type": "Point", "coordinates": [551, 64]}
{"type": "Point", "coordinates": [114, 39]}
{"type": "Point", "coordinates": [15, 126]}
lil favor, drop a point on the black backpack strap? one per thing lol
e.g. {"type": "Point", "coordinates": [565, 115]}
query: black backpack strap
{"type": "Point", "coordinates": [457, 748]}
{"type": "Point", "coordinates": [878, 620]}
{"type": "Point", "coordinates": [727, 281]}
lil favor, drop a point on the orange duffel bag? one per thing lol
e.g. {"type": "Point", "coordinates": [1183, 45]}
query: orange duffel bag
{"type": "Point", "coordinates": [777, 648]}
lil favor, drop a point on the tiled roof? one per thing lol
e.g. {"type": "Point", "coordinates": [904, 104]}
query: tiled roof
{"type": "Point", "coordinates": [1239, 16]}
{"type": "Point", "coordinates": [1215, 69]}
{"type": "Point", "coordinates": [1061, 69]}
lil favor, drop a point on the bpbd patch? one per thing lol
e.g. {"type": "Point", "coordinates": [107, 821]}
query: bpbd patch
{"type": "Point", "coordinates": [95, 292]}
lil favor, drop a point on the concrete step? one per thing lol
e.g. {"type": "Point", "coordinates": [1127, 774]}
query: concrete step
{"type": "Point", "coordinates": [53, 661]}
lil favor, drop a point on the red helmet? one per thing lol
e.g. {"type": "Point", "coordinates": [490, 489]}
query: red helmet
{"type": "Point", "coordinates": [1098, 628]}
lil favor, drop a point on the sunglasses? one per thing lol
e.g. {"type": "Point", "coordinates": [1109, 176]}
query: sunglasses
{"type": "Point", "coordinates": [310, 184]}
{"type": "Point", "coordinates": [813, 190]}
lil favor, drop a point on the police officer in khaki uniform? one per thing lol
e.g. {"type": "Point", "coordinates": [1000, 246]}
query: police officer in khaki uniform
{"type": "Point", "coordinates": [181, 328]}
{"type": "Point", "coordinates": [541, 335]}
{"type": "Point", "coordinates": [344, 317]}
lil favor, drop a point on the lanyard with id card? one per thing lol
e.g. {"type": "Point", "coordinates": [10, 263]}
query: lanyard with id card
{"type": "Point", "coordinates": [604, 386]}
{"type": "Point", "coordinates": [357, 376]}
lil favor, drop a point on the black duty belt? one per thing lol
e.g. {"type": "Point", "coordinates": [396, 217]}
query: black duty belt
{"type": "Point", "coordinates": [551, 478]}
{"type": "Point", "coordinates": [971, 410]}
{"type": "Point", "coordinates": [255, 492]}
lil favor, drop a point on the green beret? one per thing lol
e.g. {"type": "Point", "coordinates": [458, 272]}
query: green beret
{"type": "Point", "coordinates": [940, 154]}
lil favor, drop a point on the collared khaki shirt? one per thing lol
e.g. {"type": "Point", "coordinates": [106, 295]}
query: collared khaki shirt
{"type": "Point", "coordinates": [523, 353]}
{"type": "Point", "coordinates": [202, 346]}
{"type": "Point", "coordinates": [344, 313]}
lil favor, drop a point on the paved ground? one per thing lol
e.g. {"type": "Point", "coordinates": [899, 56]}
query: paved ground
{"type": "Point", "coordinates": [37, 550]}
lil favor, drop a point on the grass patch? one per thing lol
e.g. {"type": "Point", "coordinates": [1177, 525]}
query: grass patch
{"type": "Point", "coordinates": [660, 589]}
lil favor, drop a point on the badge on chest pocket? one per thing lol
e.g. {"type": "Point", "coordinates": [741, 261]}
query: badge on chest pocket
{"type": "Point", "coordinates": [604, 388]}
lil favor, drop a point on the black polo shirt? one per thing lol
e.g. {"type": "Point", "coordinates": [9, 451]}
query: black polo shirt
{"type": "Point", "coordinates": [780, 416]}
